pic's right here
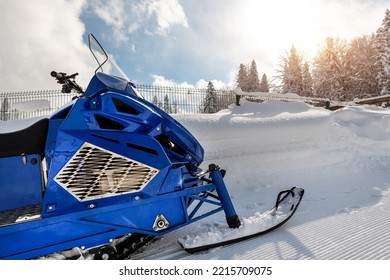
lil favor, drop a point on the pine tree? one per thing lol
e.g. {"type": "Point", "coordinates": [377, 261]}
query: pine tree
{"type": "Point", "coordinates": [253, 78]}
{"type": "Point", "coordinates": [328, 71]}
{"type": "Point", "coordinates": [361, 79]}
{"type": "Point", "coordinates": [166, 106]}
{"type": "Point", "coordinates": [292, 73]}
{"type": "Point", "coordinates": [155, 101]}
{"type": "Point", "coordinates": [210, 103]}
{"type": "Point", "coordinates": [264, 86]}
{"type": "Point", "coordinates": [242, 78]}
{"type": "Point", "coordinates": [382, 44]}
{"type": "Point", "coordinates": [307, 81]}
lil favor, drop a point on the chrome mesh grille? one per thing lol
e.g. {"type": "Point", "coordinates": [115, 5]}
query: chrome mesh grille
{"type": "Point", "coordinates": [94, 173]}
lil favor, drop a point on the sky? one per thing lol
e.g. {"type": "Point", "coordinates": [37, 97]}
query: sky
{"type": "Point", "coordinates": [170, 42]}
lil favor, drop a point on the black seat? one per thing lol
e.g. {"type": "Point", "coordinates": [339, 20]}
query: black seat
{"type": "Point", "coordinates": [30, 140]}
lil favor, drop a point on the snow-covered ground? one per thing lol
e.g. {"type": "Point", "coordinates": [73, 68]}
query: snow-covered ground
{"type": "Point", "coordinates": [341, 159]}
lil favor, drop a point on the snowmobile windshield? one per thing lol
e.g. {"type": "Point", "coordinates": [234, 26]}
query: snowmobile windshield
{"type": "Point", "coordinates": [108, 71]}
{"type": "Point", "coordinates": [115, 82]}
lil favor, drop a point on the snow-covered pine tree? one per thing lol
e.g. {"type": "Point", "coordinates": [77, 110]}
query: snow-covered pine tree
{"type": "Point", "coordinates": [307, 81]}
{"type": "Point", "coordinates": [253, 78]}
{"type": "Point", "coordinates": [292, 75]}
{"type": "Point", "coordinates": [361, 81]}
{"type": "Point", "coordinates": [242, 78]}
{"type": "Point", "coordinates": [155, 100]}
{"type": "Point", "coordinates": [264, 86]}
{"type": "Point", "coordinates": [283, 76]}
{"type": "Point", "coordinates": [382, 44]}
{"type": "Point", "coordinates": [210, 103]}
{"type": "Point", "coordinates": [167, 105]}
{"type": "Point", "coordinates": [328, 69]}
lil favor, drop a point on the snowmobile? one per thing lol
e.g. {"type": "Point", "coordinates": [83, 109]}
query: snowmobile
{"type": "Point", "coordinates": [106, 174]}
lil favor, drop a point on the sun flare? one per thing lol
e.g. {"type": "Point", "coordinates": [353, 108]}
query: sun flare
{"type": "Point", "coordinates": [281, 24]}
{"type": "Point", "coordinates": [303, 23]}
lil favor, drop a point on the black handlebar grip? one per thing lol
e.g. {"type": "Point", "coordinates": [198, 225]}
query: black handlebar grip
{"type": "Point", "coordinates": [58, 75]}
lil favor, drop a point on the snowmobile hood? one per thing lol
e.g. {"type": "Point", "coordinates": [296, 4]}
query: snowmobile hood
{"type": "Point", "coordinates": [178, 142]}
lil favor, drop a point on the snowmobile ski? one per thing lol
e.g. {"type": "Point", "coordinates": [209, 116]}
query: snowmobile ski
{"type": "Point", "coordinates": [219, 234]}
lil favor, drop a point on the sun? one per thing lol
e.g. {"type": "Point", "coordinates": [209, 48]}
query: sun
{"type": "Point", "coordinates": [279, 24]}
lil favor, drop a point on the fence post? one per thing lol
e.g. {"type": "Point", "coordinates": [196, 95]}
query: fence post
{"type": "Point", "coordinates": [238, 97]}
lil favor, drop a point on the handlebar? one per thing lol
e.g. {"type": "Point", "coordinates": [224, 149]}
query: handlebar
{"type": "Point", "coordinates": [68, 82]}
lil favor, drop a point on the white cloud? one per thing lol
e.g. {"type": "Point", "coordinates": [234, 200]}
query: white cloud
{"type": "Point", "coordinates": [111, 12]}
{"type": "Point", "coordinates": [40, 36]}
{"type": "Point", "coordinates": [153, 16]}
{"type": "Point", "coordinates": [217, 84]}
{"type": "Point", "coordinates": [168, 13]}
{"type": "Point", "coordinates": [162, 81]}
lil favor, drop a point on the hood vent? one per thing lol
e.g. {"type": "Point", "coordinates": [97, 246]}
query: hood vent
{"type": "Point", "coordinates": [94, 173]}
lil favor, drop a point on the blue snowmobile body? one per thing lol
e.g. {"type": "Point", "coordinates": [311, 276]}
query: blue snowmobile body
{"type": "Point", "coordinates": [107, 165]}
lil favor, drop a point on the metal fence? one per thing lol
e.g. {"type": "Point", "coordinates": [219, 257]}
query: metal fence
{"type": "Point", "coordinates": [185, 100]}
{"type": "Point", "coordinates": [29, 104]}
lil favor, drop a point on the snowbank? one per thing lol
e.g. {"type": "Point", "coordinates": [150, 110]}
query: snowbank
{"type": "Point", "coordinates": [31, 105]}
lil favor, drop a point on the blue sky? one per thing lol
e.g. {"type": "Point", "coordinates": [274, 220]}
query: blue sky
{"type": "Point", "coordinates": [184, 42]}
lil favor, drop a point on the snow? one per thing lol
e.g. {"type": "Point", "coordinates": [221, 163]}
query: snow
{"type": "Point", "coordinates": [341, 159]}
{"type": "Point", "coordinates": [217, 232]}
{"type": "Point", "coordinates": [31, 105]}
